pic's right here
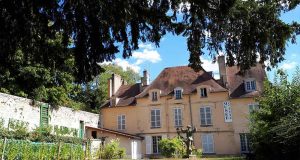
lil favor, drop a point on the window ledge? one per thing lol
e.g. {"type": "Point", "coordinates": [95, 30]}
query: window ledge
{"type": "Point", "coordinates": [204, 97]}
{"type": "Point", "coordinates": [206, 125]}
{"type": "Point", "coordinates": [155, 127]}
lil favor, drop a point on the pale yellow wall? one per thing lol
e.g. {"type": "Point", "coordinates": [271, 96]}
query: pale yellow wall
{"type": "Point", "coordinates": [226, 135]}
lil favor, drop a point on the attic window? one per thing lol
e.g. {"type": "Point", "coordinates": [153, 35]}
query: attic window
{"type": "Point", "coordinates": [203, 92]}
{"type": "Point", "coordinates": [154, 96]}
{"type": "Point", "coordinates": [178, 93]}
{"type": "Point", "coordinates": [250, 85]}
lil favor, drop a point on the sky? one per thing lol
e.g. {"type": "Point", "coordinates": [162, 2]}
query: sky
{"type": "Point", "coordinates": [173, 52]}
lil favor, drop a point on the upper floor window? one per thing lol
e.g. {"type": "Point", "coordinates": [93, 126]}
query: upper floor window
{"type": "Point", "coordinates": [178, 117]}
{"type": "Point", "coordinates": [227, 111]}
{"type": "Point", "coordinates": [154, 96]}
{"type": "Point", "coordinates": [203, 92]}
{"type": "Point", "coordinates": [121, 122]}
{"type": "Point", "coordinates": [250, 85]}
{"type": "Point", "coordinates": [205, 116]}
{"type": "Point", "coordinates": [155, 118]}
{"type": "Point", "coordinates": [178, 93]}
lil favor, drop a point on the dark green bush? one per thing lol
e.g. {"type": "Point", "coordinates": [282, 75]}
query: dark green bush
{"type": "Point", "coordinates": [111, 150]}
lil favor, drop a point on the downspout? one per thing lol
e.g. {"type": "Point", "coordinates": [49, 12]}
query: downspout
{"type": "Point", "coordinates": [167, 115]}
{"type": "Point", "coordinates": [190, 106]}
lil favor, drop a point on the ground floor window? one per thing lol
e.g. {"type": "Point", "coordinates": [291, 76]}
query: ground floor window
{"type": "Point", "coordinates": [207, 143]}
{"type": "Point", "coordinates": [155, 146]}
{"type": "Point", "coordinates": [245, 142]}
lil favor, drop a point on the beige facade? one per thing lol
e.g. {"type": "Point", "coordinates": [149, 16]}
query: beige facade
{"type": "Point", "coordinates": [218, 109]}
{"type": "Point", "coordinates": [225, 134]}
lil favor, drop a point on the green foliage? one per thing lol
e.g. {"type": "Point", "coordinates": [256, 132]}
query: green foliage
{"type": "Point", "coordinates": [275, 127]}
{"type": "Point", "coordinates": [111, 150]}
{"type": "Point", "coordinates": [198, 153]}
{"type": "Point", "coordinates": [100, 29]}
{"type": "Point", "coordinates": [174, 147]}
{"type": "Point", "coordinates": [26, 150]}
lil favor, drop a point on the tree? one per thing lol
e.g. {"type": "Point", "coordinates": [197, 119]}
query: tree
{"type": "Point", "coordinates": [95, 93]}
{"type": "Point", "coordinates": [96, 28]}
{"type": "Point", "coordinates": [275, 127]}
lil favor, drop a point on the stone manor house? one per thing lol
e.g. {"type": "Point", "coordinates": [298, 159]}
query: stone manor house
{"type": "Point", "coordinates": [140, 115]}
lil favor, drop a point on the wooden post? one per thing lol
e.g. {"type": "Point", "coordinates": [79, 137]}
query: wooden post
{"type": "Point", "coordinates": [58, 150]}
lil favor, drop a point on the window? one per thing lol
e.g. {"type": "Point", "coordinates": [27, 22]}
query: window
{"type": "Point", "coordinates": [207, 143]}
{"type": "Point", "coordinates": [253, 107]}
{"type": "Point", "coordinates": [203, 92]}
{"type": "Point", "coordinates": [178, 117]}
{"type": "Point", "coordinates": [44, 115]}
{"type": "Point", "coordinates": [245, 142]}
{"type": "Point", "coordinates": [205, 116]}
{"type": "Point", "coordinates": [154, 96]}
{"type": "Point", "coordinates": [155, 118]}
{"type": "Point", "coordinates": [121, 122]}
{"type": "Point", "coordinates": [250, 85]}
{"type": "Point", "coordinates": [94, 134]}
{"type": "Point", "coordinates": [155, 146]}
{"type": "Point", "coordinates": [178, 93]}
{"type": "Point", "coordinates": [227, 111]}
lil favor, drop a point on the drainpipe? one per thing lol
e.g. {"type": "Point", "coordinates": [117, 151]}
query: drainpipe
{"type": "Point", "coordinates": [167, 115]}
{"type": "Point", "coordinates": [190, 106]}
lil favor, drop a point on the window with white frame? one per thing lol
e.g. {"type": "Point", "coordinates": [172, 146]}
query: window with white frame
{"type": "Point", "coordinates": [253, 107]}
{"type": "Point", "coordinates": [207, 143]}
{"type": "Point", "coordinates": [155, 118]}
{"type": "Point", "coordinates": [154, 96]}
{"type": "Point", "coordinates": [178, 93]}
{"type": "Point", "coordinates": [121, 122]}
{"type": "Point", "coordinates": [250, 85]}
{"type": "Point", "coordinates": [205, 116]}
{"type": "Point", "coordinates": [245, 142]}
{"type": "Point", "coordinates": [203, 92]}
{"type": "Point", "coordinates": [177, 117]}
{"type": "Point", "coordinates": [155, 146]}
{"type": "Point", "coordinates": [227, 111]}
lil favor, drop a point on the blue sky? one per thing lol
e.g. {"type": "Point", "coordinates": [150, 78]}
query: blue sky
{"type": "Point", "coordinates": [173, 52]}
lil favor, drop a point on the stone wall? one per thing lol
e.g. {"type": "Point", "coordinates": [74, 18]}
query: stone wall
{"type": "Point", "coordinates": [13, 107]}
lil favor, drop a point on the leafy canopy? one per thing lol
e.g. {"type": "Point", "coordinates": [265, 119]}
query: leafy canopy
{"type": "Point", "coordinates": [95, 29]}
{"type": "Point", "coordinates": [275, 127]}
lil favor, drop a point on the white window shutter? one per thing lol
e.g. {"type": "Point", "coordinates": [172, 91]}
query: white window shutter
{"type": "Point", "coordinates": [227, 111]}
{"type": "Point", "coordinates": [148, 140]}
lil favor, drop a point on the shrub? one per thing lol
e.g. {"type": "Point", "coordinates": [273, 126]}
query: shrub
{"type": "Point", "coordinates": [174, 147]}
{"type": "Point", "coordinates": [111, 150]}
{"type": "Point", "coordinates": [198, 152]}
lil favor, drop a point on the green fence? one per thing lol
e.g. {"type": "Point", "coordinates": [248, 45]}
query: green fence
{"type": "Point", "coordinates": [12, 149]}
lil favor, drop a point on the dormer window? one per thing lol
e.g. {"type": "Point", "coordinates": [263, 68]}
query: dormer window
{"type": "Point", "coordinates": [203, 92]}
{"type": "Point", "coordinates": [250, 85]}
{"type": "Point", "coordinates": [178, 93]}
{"type": "Point", "coordinates": [154, 96]}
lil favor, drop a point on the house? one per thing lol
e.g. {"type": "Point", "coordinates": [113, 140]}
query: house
{"type": "Point", "coordinates": [178, 97]}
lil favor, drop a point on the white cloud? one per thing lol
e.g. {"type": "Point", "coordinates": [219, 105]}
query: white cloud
{"type": "Point", "coordinates": [147, 53]}
{"type": "Point", "coordinates": [209, 66]}
{"type": "Point", "coordinates": [288, 65]}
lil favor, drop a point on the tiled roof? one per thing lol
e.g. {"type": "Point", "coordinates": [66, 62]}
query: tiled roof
{"type": "Point", "coordinates": [184, 77]}
{"type": "Point", "coordinates": [126, 95]}
{"type": "Point", "coordinates": [236, 81]}
{"type": "Point", "coordinates": [116, 132]}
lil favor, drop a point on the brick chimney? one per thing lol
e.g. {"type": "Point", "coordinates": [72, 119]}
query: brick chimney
{"type": "Point", "coordinates": [222, 69]}
{"type": "Point", "coordinates": [145, 79]}
{"type": "Point", "coordinates": [114, 83]}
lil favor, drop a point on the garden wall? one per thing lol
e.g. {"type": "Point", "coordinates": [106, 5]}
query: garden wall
{"type": "Point", "coordinates": [17, 108]}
